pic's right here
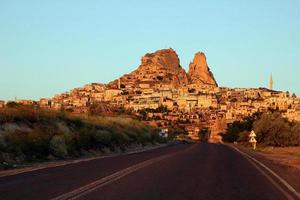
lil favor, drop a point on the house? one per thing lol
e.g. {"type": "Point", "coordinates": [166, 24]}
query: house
{"type": "Point", "coordinates": [144, 85]}
{"type": "Point", "coordinates": [25, 102]}
{"type": "Point", "coordinates": [206, 101]}
{"type": "Point", "coordinates": [97, 96]}
{"type": "Point", "coordinates": [2, 104]}
{"type": "Point", "coordinates": [193, 132]}
{"type": "Point", "coordinates": [110, 93]}
{"type": "Point", "coordinates": [44, 103]}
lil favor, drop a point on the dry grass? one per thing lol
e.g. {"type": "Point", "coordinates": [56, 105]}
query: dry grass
{"type": "Point", "coordinates": [289, 156]}
{"type": "Point", "coordinates": [64, 135]}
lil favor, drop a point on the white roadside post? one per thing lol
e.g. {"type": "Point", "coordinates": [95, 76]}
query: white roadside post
{"type": "Point", "coordinates": [252, 139]}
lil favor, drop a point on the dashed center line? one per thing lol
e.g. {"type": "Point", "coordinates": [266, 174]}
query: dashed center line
{"type": "Point", "coordinates": [82, 191]}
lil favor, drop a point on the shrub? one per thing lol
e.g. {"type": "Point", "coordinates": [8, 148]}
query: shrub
{"type": "Point", "coordinates": [13, 104]}
{"type": "Point", "coordinates": [144, 138]}
{"type": "Point", "coordinates": [271, 129]}
{"type": "Point", "coordinates": [233, 131]}
{"type": "Point", "coordinates": [2, 143]}
{"type": "Point", "coordinates": [243, 136]}
{"type": "Point", "coordinates": [77, 122]}
{"type": "Point", "coordinates": [70, 140]}
{"type": "Point", "coordinates": [120, 139]}
{"type": "Point", "coordinates": [160, 78]}
{"type": "Point", "coordinates": [37, 144]}
{"type": "Point", "coordinates": [133, 136]}
{"type": "Point", "coordinates": [103, 138]}
{"type": "Point", "coordinates": [80, 134]}
{"type": "Point", "coordinates": [58, 146]}
{"type": "Point", "coordinates": [296, 135]}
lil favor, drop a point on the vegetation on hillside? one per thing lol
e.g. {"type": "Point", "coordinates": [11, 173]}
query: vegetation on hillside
{"type": "Point", "coordinates": [271, 129]}
{"type": "Point", "coordinates": [237, 131]}
{"type": "Point", "coordinates": [28, 135]}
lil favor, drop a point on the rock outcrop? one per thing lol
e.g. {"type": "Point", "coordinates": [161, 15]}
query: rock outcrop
{"type": "Point", "coordinates": [199, 72]}
{"type": "Point", "coordinates": [161, 66]}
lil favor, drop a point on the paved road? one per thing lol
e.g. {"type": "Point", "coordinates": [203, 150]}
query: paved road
{"type": "Point", "coordinates": [186, 171]}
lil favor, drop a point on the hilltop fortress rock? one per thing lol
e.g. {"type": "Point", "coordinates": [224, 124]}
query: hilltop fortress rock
{"type": "Point", "coordinates": [199, 72]}
{"type": "Point", "coordinates": [163, 67]}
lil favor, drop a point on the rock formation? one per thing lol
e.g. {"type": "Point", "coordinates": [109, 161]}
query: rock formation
{"type": "Point", "coordinates": [199, 72]}
{"type": "Point", "coordinates": [161, 66]}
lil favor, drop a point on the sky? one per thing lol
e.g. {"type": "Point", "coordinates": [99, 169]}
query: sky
{"type": "Point", "coordinates": [51, 46]}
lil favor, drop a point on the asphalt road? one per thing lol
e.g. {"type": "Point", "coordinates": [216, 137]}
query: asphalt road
{"type": "Point", "coordinates": [185, 171]}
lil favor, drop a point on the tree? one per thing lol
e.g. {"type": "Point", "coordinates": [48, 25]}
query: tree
{"type": "Point", "coordinates": [273, 129]}
{"type": "Point", "coordinates": [162, 109]}
{"type": "Point", "coordinates": [243, 136]}
{"type": "Point", "coordinates": [236, 131]}
{"type": "Point", "coordinates": [58, 146]}
{"type": "Point", "coordinates": [98, 108]}
{"type": "Point", "coordinates": [12, 104]}
{"type": "Point", "coordinates": [124, 93]}
{"type": "Point", "coordinates": [233, 100]}
{"type": "Point", "coordinates": [122, 86]}
{"type": "Point", "coordinates": [191, 90]}
{"type": "Point", "coordinates": [160, 78]}
{"type": "Point", "coordinates": [296, 135]}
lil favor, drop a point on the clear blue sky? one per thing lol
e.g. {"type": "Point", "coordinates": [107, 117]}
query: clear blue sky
{"type": "Point", "coordinates": [48, 47]}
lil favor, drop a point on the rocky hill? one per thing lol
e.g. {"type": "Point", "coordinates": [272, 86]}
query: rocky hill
{"type": "Point", "coordinates": [163, 67]}
{"type": "Point", "coordinates": [199, 72]}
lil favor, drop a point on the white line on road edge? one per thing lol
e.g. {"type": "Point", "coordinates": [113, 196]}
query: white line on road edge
{"type": "Point", "coordinates": [286, 184]}
{"type": "Point", "coordinates": [69, 162]}
{"type": "Point", "coordinates": [82, 191]}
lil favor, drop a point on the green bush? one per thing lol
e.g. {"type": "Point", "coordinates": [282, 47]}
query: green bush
{"type": "Point", "coordinates": [271, 129]}
{"type": "Point", "coordinates": [144, 138]}
{"type": "Point", "coordinates": [58, 146]}
{"type": "Point", "coordinates": [295, 139]}
{"type": "Point", "coordinates": [120, 139]}
{"type": "Point", "coordinates": [81, 134]}
{"type": "Point", "coordinates": [103, 138]}
{"type": "Point", "coordinates": [133, 136]}
{"type": "Point", "coordinates": [243, 136]}
{"type": "Point", "coordinates": [233, 130]}
{"type": "Point", "coordinates": [2, 143]}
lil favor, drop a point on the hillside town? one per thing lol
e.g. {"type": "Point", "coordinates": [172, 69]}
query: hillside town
{"type": "Point", "coordinates": [164, 95]}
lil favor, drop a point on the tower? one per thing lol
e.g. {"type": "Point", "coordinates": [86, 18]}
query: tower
{"type": "Point", "coordinates": [119, 83]}
{"type": "Point", "coordinates": [271, 83]}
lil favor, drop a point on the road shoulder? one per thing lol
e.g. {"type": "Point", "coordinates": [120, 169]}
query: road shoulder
{"type": "Point", "coordinates": [289, 174]}
{"type": "Point", "coordinates": [51, 164]}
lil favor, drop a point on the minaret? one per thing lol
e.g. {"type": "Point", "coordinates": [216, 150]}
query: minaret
{"type": "Point", "coordinates": [119, 83]}
{"type": "Point", "coordinates": [271, 83]}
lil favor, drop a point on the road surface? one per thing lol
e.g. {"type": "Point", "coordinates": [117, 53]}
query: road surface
{"type": "Point", "coordinates": [185, 171]}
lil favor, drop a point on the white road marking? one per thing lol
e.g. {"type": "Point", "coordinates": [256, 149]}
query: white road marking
{"type": "Point", "coordinates": [69, 162]}
{"type": "Point", "coordinates": [255, 162]}
{"type": "Point", "coordinates": [82, 191]}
